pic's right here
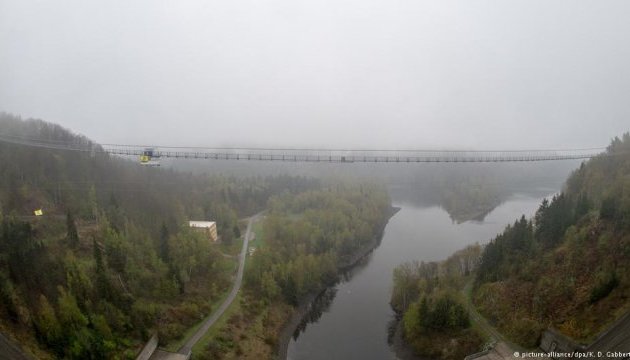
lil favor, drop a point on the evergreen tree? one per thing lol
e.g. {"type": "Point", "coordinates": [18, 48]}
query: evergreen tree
{"type": "Point", "coordinates": [269, 287]}
{"type": "Point", "coordinates": [290, 291]}
{"type": "Point", "coordinates": [92, 202]}
{"type": "Point", "coordinates": [608, 210]}
{"type": "Point", "coordinates": [47, 325]}
{"type": "Point", "coordinates": [459, 317]}
{"type": "Point", "coordinates": [164, 246]}
{"type": "Point", "coordinates": [72, 236]}
{"type": "Point", "coordinates": [102, 282]}
{"type": "Point", "coordinates": [70, 316]}
{"type": "Point", "coordinates": [237, 231]}
{"type": "Point", "coordinates": [25, 254]}
{"type": "Point", "coordinates": [423, 313]}
{"type": "Point", "coordinates": [582, 206]}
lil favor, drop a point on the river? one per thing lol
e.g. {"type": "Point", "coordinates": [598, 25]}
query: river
{"type": "Point", "coordinates": [351, 320]}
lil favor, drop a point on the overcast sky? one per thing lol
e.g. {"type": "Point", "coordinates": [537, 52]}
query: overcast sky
{"type": "Point", "coordinates": [322, 73]}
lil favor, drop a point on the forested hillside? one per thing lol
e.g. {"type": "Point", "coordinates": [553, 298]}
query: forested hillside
{"type": "Point", "coordinates": [567, 268]}
{"type": "Point", "coordinates": [111, 259]}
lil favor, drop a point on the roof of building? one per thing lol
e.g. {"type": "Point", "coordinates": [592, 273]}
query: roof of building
{"type": "Point", "coordinates": [203, 224]}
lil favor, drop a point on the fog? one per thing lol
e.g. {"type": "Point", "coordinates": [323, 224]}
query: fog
{"type": "Point", "coordinates": [350, 73]}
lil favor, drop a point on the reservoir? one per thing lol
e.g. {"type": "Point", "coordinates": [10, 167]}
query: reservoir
{"type": "Point", "coordinates": [351, 319]}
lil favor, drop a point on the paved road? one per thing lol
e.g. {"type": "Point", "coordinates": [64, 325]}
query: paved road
{"type": "Point", "coordinates": [9, 350]}
{"type": "Point", "coordinates": [187, 347]}
{"type": "Point", "coordinates": [616, 338]}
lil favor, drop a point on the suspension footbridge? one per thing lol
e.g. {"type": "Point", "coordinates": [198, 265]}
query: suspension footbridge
{"type": "Point", "coordinates": [310, 154]}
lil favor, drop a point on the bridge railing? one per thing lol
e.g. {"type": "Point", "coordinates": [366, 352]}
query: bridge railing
{"type": "Point", "coordinates": [317, 155]}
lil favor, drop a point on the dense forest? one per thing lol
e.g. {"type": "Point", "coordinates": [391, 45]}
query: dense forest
{"type": "Point", "coordinates": [307, 239]}
{"type": "Point", "coordinates": [569, 266]}
{"type": "Point", "coordinates": [566, 268]}
{"type": "Point", "coordinates": [429, 298]}
{"type": "Point", "coordinates": [111, 260]}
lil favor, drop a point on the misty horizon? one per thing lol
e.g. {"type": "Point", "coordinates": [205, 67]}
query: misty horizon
{"type": "Point", "coordinates": [355, 74]}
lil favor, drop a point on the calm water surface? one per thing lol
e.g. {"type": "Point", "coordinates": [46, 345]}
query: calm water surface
{"type": "Point", "coordinates": [356, 312]}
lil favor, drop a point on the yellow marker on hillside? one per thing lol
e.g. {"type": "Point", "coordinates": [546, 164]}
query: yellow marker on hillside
{"type": "Point", "coordinates": [38, 212]}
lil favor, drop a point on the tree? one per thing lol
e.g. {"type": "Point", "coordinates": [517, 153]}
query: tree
{"type": "Point", "coordinates": [25, 254]}
{"type": "Point", "coordinates": [78, 282]}
{"type": "Point", "coordinates": [92, 202]}
{"type": "Point", "coordinates": [46, 323]}
{"type": "Point", "coordinates": [116, 250]}
{"type": "Point", "coordinates": [423, 313]}
{"type": "Point", "coordinates": [489, 265]}
{"type": "Point", "coordinates": [102, 282]}
{"type": "Point", "coordinates": [459, 317]}
{"type": "Point", "coordinates": [582, 206]}
{"type": "Point", "coordinates": [164, 247]}
{"type": "Point", "coordinates": [237, 231]}
{"type": "Point", "coordinates": [608, 210]}
{"type": "Point", "coordinates": [440, 316]}
{"type": "Point", "coordinates": [8, 297]}
{"type": "Point", "coordinates": [70, 316]}
{"type": "Point", "coordinates": [270, 288]}
{"type": "Point", "coordinates": [553, 219]}
{"type": "Point", "coordinates": [72, 236]}
{"type": "Point", "coordinates": [290, 291]}
{"type": "Point", "coordinates": [406, 278]}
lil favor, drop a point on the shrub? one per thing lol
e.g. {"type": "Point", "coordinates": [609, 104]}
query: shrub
{"type": "Point", "coordinates": [526, 332]}
{"type": "Point", "coordinates": [604, 286]}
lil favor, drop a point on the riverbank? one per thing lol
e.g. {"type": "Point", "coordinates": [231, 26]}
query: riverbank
{"type": "Point", "coordinates": [401, 348]}
{"type": "Point", "coordinates": [305, 304]}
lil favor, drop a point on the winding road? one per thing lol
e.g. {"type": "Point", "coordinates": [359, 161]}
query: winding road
{"type": "Point", "coordinates": [187, 347]}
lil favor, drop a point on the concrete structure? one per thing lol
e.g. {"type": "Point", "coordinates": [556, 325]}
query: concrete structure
{"type": "Point", "coordinates": [165, 355]}
{"type": "Point", "coordinates": [553, 341]}
{"type": "Point", "coordinates": [149, 348]}
{"type": "Point", "coordinates": [498, 351]}
{"type": "Point", "coordinates": [615, 338]}
{"type": "Point", "coordinates": [209, 227]}
{"type": "Point", "coordinates": [151, 352]}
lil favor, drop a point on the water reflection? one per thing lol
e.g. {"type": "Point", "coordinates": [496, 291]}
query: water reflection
{"type": "Point", "coordinates": [352, 319]}
{"type": "Point", "coordinates": [324, 300]}
{"type": "Point", "coordinates": [319, 306]}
